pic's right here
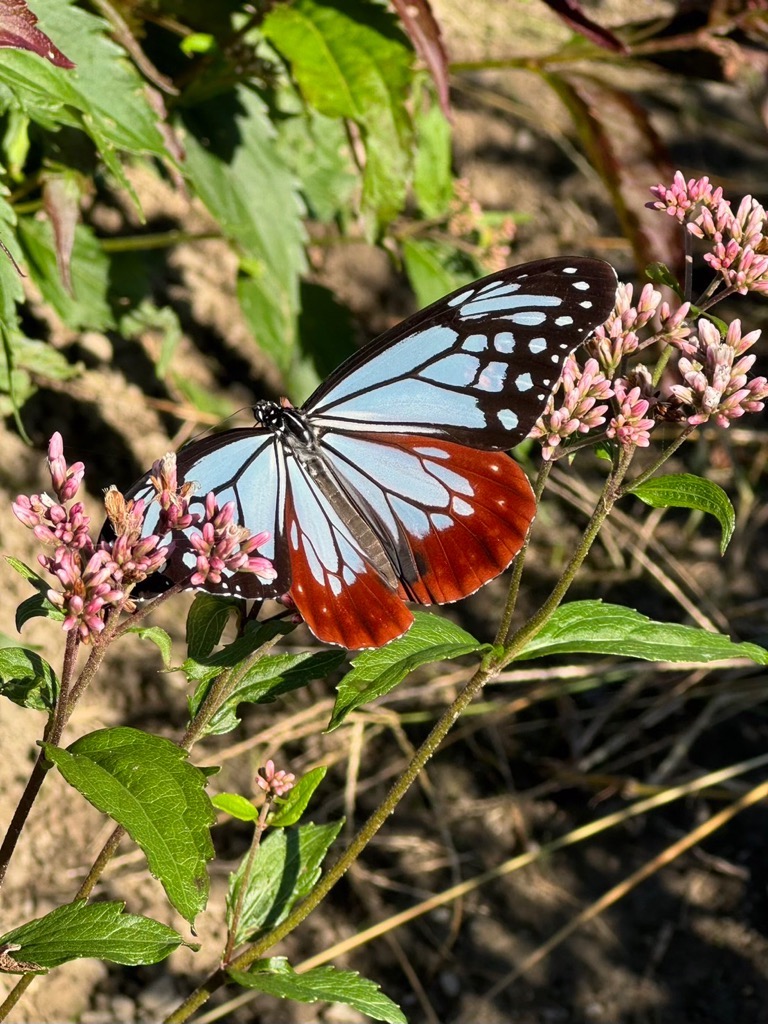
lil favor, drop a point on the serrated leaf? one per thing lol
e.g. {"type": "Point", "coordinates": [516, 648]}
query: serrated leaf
{"type": "Point", "coordinates": [375, 673]}
{"type": "Point", "coordinates": [289, 809]}
{"type": "Point", "coordinates": [276, 977]}
{"type": "Point", "coordinates": [86, 305]}
{"type": "Point", "coordinates": [316, 149]}
{"type": "Point", "coordinates": [268, 679]}
{"type": "Point", "coordinates": [103, 95]}
{"type": "Point", "coordinates": [159, 638]}
{"type": "Point", "coordinates": [27, 679]}
{"type": "Point", "coordinates": [100, 930]}
{"type": "Point", "coordinates": [235, 806]}
{"type": "Point", "coordinates": [147, 785]}
{"type": "Point", "coordinates": [285, 870]}
{"type": "Point", "coordinates": [229, 152]}
{"type": "Point", "coordinates": [206, 620]}
{"type": "Point", "coordinates": [351, 61]}
{"type": "Point", "coordinates": [592, 627]}
{"type": "Point", "coordinates": [41, 359]}
{"type": "Point", "coordinates": [684, 490]}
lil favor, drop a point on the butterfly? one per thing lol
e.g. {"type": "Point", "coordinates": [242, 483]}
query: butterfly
{"type": "Point", "coordinates": [391, 484]}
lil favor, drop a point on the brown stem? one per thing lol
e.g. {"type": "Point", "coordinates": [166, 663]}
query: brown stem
{"type": "Point", "coordinates": [245, 881]}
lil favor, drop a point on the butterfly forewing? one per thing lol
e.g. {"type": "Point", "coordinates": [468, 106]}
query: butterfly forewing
{"type": "Point", "coordinates": [476, 367]}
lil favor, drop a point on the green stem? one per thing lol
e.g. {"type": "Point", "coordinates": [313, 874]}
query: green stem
{"type": "Point", "coordinates": [158, 240]}
{"type": "Point", "coordinates": [656, 466]}
{"type": "Point", "coordinates": [245, 882]}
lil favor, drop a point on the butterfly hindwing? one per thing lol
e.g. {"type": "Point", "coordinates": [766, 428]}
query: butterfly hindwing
{"type": "Point", "coordinates": [479, 365]}
{"type": "Point", "coordinates": [341, 596]}
{"type": "Point", "coordinates": [452, 517]}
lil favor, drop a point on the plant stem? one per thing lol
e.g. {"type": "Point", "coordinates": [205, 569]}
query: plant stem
{"type": "Point", "coordinates": [245, 881]}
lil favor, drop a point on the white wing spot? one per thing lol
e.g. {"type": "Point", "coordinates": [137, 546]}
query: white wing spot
{"type": "Point", "coordinates": [461, 297]}
{"type": "Point", "coordinates": [504, 342]}
{"type": "Point", "coordinates": [556, 357]}
{"type": "Point", "coordinates": [530, 318]}
{"type": "Point", "coordinates": [524, 382]}
{"type": "Point", "coordinates": [570, 270]}
{"type": "Point", "coordinates": [294, 537]}
{"type": "Point", "coordinates": [536, 345]}
{"type": "Point", "coordinates": [509, 419]}
{"type": "Point", "coordinates": [582, 286]}
{"type": "Point", "coordinates": [475, 343]}
{"type": "Point", "coordinates": [586, 304]}
{"type": "Point", "coordinates": [564, 321]}
{"type": "Point", "coordinates": [461, 507]}
{"type": "Point", "coordinates": [564, 344]}
{"type": "Point", "coordinates": [492, 377]}
{"type": "Point", "coordinates": [546, 382]}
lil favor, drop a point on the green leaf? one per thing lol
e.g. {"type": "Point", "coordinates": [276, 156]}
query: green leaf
{"type": "Point", "coordinates": [432, 178]}
{"type": "Point", "coordinates": [684, 490]}
{"type": "Point", "coordinates": [159, 638]}
{"type": "Point", "coordinates": [285, 870]}
{"type": "Point", "coordinates": [350, 60]}
{"type": "Point", "coordinates": [205, 668]}
{"type": "Point", "coordinates": [317, 151]}
{"type": "Point", "coordinates": [100, 930]}
{"type": "Point", "coordinates": [426, 266]}
{"type": "Point", "coordinates": [326, 337]}
{"type": "Point", "coordinates": [146, 784]}
{"type": "Point", "coordinates": [592, 627]}
{"type": "Point", "coordinates": [206, 620]}
{"type": "Point", "coordinates": [42, 360]}
{"type": "Point", "coordinates": [235, 167]}
{"type": "Point", "coordinates": [27, 679]}
{"type": "Point", "coordinates": [276, 977]}
{"type": "Point", "coordinates": [375, 673]}
{"type": "Point", "coordinates": [291, 808]}
{"type": "Point", "coordinates": [104, 95]}
{"type": "Point", "coordinates": [37, 606]}
{"type": "Point", "coordinates": [268, 679]}
{"type": "Point", "coordinates": [235, 806]}
{"type": "Point", "coordinates": [87, 306]}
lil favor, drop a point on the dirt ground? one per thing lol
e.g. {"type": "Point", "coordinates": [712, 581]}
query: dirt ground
{"type": "Point", "coordinates": [687, 946]}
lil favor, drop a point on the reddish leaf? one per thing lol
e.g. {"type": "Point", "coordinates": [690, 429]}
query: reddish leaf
{"type": "Point", "coordinates": [571, 13]}
{"type": "Point", "coordinates": [424, 32]}
{"type": "Point", "coordinates": [17, 30]}
{"type": "Point", "coordinates": [61, 198]}
{"type": "Point", "coordinates": [625, 150]}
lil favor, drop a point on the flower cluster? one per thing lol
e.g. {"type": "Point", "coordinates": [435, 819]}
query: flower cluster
{"type": "Point", "coordinates": [738, 241]}
{"type": "Point", "coordinates": [85, 575]}
{"type": "Point", "coordinates": [579, 410]}
{"type": "Point", "coordinates": [94, 579]}
{"type": "Point", "coordinates": [274, 783]}
{"type": "Point", "coordinates": [221, 545]}
{"type": "Point", "coordinates": [712, 371]}
{"type": "Point", "coordinates": [715, 373]}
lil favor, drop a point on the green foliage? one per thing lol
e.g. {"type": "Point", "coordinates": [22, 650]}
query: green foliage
{"type": "Point", "coordinates": [592, 627]}
{"type": "Point", "coordinates": [101, 930]}
{"type": "Point", "coordinates": [375, 673]}
{"type": "Point", "coordinates": [146, 784]}
{"type": "Point", "coordinates": [684, 490]}
{"type": "Point", "coordinates": [285, 870]}
{"type": "Point", "coordinates": [276, 977]}
{"type": "Point", "coordinates": [27, 679]}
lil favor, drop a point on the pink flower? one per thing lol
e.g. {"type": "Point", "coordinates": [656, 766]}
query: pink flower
{"type": "Point", "coordinates": [682, 196]}
{"type": "Point", "coordinates": [579, 412]}
{"type": "Point", "coordinates": [173, 500]}
{"type": "Point", "coordinates": [274, 783]}
{"type": "Point", "coordinates": [617, 338]}
{"type": "Point", "coordinates": [87, 591]}
{"type": "Point", "coordinates": [66, 480]}
{"type": "Point", "coordinates": [630, 426]}
{"type": "Point", "coordinates": [222, 545]}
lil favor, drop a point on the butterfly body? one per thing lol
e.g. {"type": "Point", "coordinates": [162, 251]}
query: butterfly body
{"type": "Point", "coordinates": [391, 483]}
